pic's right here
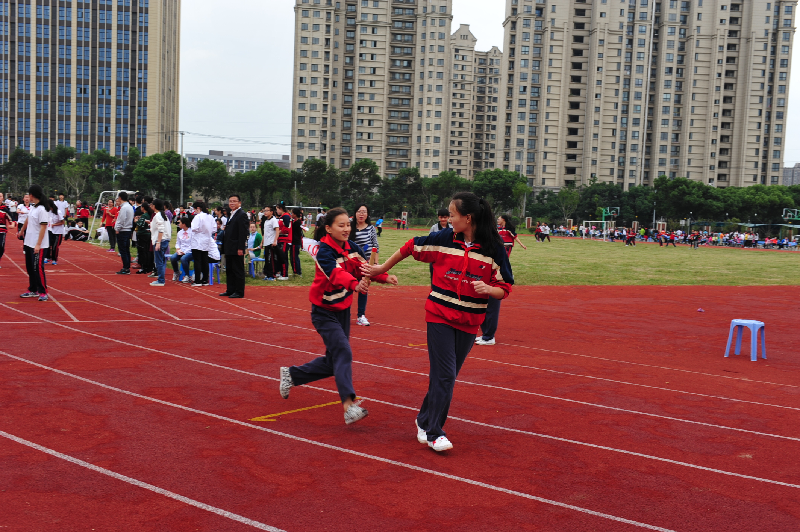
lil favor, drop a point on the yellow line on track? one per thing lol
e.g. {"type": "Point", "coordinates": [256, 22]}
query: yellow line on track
{"type": "Point", "coordinates": [268, 418]}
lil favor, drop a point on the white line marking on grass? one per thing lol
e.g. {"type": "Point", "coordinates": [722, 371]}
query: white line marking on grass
{"type": "Point", "coordinates": [143, 485]}
{"type": "Point", "coordinates": [350, 451]}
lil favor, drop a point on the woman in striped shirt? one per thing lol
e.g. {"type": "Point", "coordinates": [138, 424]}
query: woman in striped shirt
{"type": "Point", "coordinates": [364, 235]}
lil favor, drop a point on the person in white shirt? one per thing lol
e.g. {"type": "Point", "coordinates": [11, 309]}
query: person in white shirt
{"type": "Point", "coordinates": [203, 227]}
{"type": "Point", "coordinates": [183, 252]}
{"type": "Point", "coordinates": [63, 206]}
{"type": "Point", "coordinates": [35, 232]}
{"type": "Point", "coordinates": [160, 235]}
{"type": "Point", "coordinates": [56, 230]}
{"type": "Point", "coordinates": [272, 260]}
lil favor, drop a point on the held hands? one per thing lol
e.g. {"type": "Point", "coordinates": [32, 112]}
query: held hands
{"type": "Point", "coordinates": [363, 286]}
{"type": "Point", "coordinates": [372, 271]}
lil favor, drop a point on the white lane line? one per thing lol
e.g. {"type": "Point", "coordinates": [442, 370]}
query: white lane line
{"type": "Point", "coordinates": [62, 307]}
{"type": "Point", "coordinates": [122, 289]}
{"type": "Point", "coordinates": [143, 485]}
{"type": "Point", "coordinates": [724, 398]}
{"type": "Point", "coordinates": [57, 302]}
{"type": "Point", "coordinates": [491, 386]}
{"type": "Point", "coordinates": [352, 452]}
{"type": "Point", "coordinates": [744, 379]}
{"type": "Point", "coordinates": [633, 383]}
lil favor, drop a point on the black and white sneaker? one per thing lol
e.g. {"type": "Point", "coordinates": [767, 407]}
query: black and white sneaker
{"type": "Point", "coordinates": [286, 382]}
{"type": "Point", "coordinates": [355, 413]}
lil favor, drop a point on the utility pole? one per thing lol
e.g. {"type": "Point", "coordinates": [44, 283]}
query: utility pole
{"type": "Point", "coordinates": [654, 216]}
{"type": "Point", "coordinates": [182, 168]}
{"type": "Point", "coordinates": [30, 176]}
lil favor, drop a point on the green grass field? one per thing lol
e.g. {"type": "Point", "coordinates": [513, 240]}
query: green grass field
{"type": "Point", "coordinates": [585, 262]}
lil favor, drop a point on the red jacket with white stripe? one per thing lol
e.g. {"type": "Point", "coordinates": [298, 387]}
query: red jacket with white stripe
{"type": "Point", "coordinates": [338, 272]}
{"type": "Point", "coordinates": [453, 300]}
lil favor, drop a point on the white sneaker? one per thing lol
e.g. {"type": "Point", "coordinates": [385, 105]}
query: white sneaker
{"type": "Point", "coordinates": [286, 382]}
{"type": "Point", "coordinates": [187, 279]}
{"type": "Point", "coordinates": [441, 444]}
{"type": "Point", "coordinates": [422, 436]}
{"type": "Point", "coordinates": [480, 341]}
{"type": "Point", "coordinates": [282, 278]}
{"type": "Point", "coordinates": [197, 284]}
{"type": "Point", "coordinates": [156, 283]}
{"type": "Point", "coordinates": [355, 413]}
{"type": "Point", "coordinates": [176, 277]}
{"type": "Point", "coordinates": [362, 320]}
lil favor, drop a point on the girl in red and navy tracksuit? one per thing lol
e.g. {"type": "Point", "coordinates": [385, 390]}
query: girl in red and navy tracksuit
{"type": "Point", "coordinates": [507, 231]}
{"type": "Point", "coordinates": [339, 272]}
{"type": "Point", "coordinates": [469, 267]}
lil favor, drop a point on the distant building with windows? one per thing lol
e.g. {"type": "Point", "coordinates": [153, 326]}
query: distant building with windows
{"type": "Point", "coordinates": [791, 175]}
{"type": "Point", "coordinates": [81, 74]}
{"type": "Point", "coordinates": [238, 162]}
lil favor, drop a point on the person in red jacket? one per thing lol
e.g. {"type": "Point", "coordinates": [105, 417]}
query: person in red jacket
{"type": "Point", "coordinates": [284, 247]}
{"type": "Point", "coordinates": [469, 266]}
{"type": "Point", "coordinates": [339, 273]}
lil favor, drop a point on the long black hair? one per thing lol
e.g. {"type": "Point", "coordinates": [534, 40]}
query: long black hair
{"type": "Point", "coordinates": [509, 224]}
{"type": "Point", "coordinates": [36, 192]}
{"type": "Point", "coordinates": [485, 228]}
{"type": "Point", "coordinates": [354, 223]}
{"type": "Point", "coordinates": [330, 217]}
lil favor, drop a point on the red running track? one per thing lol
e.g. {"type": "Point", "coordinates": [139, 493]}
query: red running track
{"type": "Point", "coordinates": [128, 407]}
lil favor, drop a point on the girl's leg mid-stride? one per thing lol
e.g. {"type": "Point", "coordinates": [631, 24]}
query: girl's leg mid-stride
{"type": "Point", "coordinates": [334, 328]}
{"type": "Point", "coordinates": [447, 350]}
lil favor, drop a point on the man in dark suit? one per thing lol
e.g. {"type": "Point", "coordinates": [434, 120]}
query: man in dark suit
{"type": "Point", "coordinates": [233, 245]}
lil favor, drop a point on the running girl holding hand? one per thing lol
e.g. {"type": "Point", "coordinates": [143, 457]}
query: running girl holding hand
{"type": "Point", "coordinates": [339, 265]}
{"type": "Point", "coordinates": [469, 267]}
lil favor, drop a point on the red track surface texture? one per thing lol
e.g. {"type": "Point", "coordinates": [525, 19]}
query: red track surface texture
{"type": "Point", "coordinates": [127, 407]}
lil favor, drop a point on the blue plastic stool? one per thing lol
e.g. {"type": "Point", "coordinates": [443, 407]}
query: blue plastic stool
{"type": "Point", "coordinates": [253, 266]}
{"type": "Point", "coordinates": [214, 266]}
{"type": "Point", "coordinates": [755, 327]}
{"type": "Point", "coordinates": [189, 275]}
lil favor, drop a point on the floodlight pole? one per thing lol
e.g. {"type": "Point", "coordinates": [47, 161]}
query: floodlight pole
{"type": "Point", "coordinates": [182, 164]}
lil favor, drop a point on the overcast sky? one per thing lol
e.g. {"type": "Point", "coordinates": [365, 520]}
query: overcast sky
{"type": "Point", "coordinates": [236, 72]}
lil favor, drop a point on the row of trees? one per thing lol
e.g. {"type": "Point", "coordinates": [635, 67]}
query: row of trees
{"type": "Point", "coordinates": [671, 199]}
{"type": "Point", "coordinates": [84, 176]}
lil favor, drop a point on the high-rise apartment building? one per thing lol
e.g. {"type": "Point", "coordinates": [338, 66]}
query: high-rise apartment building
{"type": "Point", "coordinates": [388, 81]}
{"type": "Point", "coordinates": [99, 74]}
{"type": "Point", "coordinates": [626, 91]}
{"type": "Point", "coordinates": [618, 91]}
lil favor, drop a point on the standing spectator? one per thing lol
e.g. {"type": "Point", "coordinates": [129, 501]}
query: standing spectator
{"type": "Point", "coordinates": [168, 212]}
{"type": "Point", "coordinates": [219, 214]}
{"type": "Point", "coordinates": [62, 206]}
{"type": "Point", "coordinates": [109, 219]}
{"type": "Point", "coordinates": [364, 235]}
{"type": "Point", "coordinates": [83, 213]}
{"type": "Point", "coordinates": [12, 208]}
{"type": "Point", "coordinates": [56, 231]}
{"type": "Point", "coordinates": [202, 241]}
{"type": "Point", "coordinates": [270, 245]}
{"type": "Point", "coordinates": [161, 233]}
{"type": "Point", "coordinates": [35, 234]}
{"type": "Point", "coordinates": [183, 251]}
{"type": "Point", "coordinates": [233, 247]}
{"type": "Point", "coordinates": [22, 214]}
{"type": "Point", "coordinates": [297, 240]}
{"type": "Point", "coordinates": [5, 222]}
{"type": "Point", "coordinates": [123, 227]}
{"type": "Point", "coordinates": [379, 225]}
{"type": "Point", "coordinates": [143, 245]}
{"type": "Point", "coordinates": [285, 238]}
{"type": "Point", "coordinates": [443, 223]}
